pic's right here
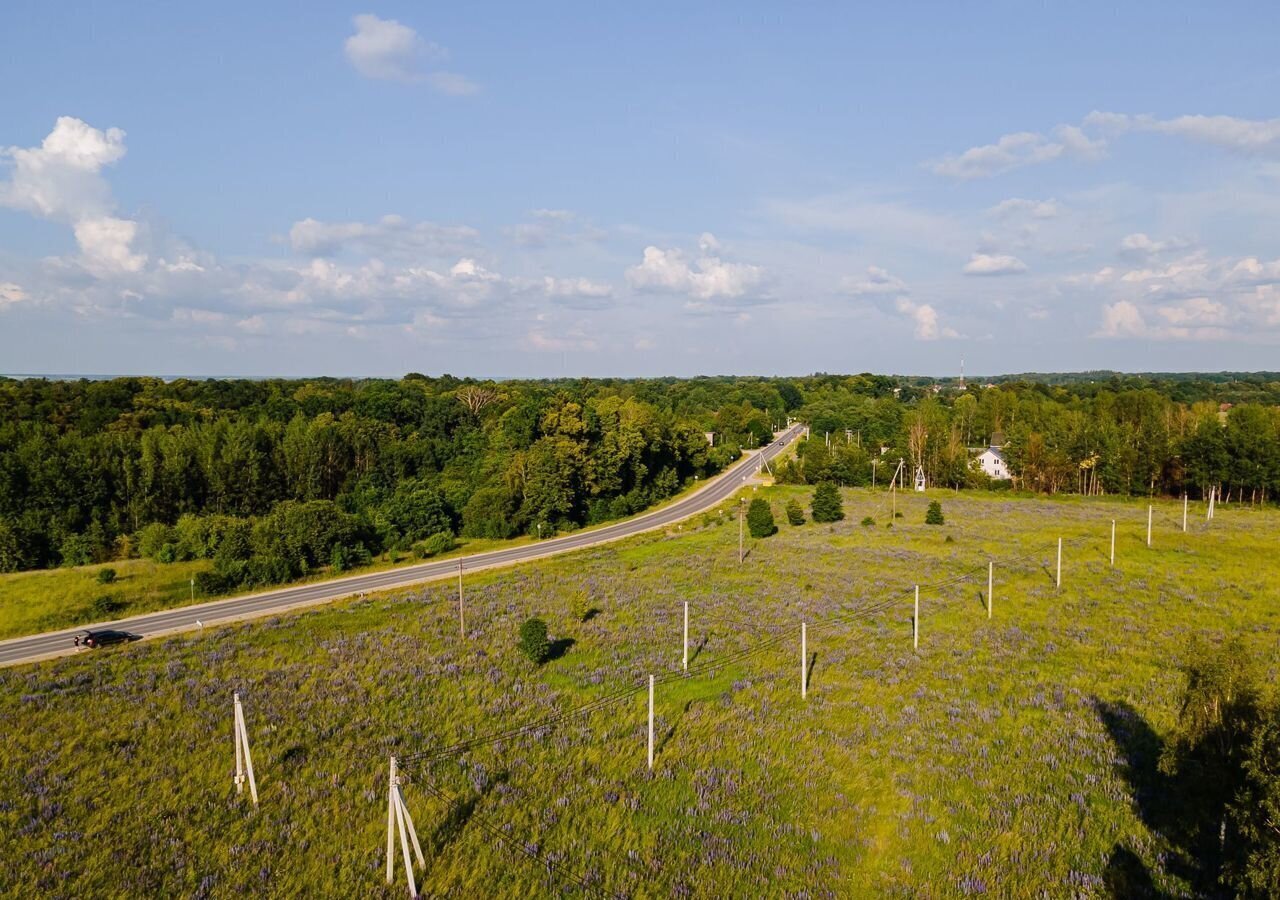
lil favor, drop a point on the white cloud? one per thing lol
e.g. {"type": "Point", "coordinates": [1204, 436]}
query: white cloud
{"type": "Point", "coordinates": [1122, 319]}
{"type": "Point", "coordinates": [706, 278]}
{"type": "Point", "coordinates": [1013, 151]}
{"type": "Point", "coordinates": [878, 282]}
{"type": "Point", "coordinates": [575, 287]}
{"type": "Point", "coordinates": [391, 51]}
{"type": "Point", "coordinates": [925, 318]}
{"type": "Point", "coordinates": [391, 235]}
{"type": "Point", "coordinates": [993, 264]}
{"type": "Point", "coordinates": [1016, 206]}
{"type": "Point", "coordinates": [61, 181]}
{"type": "Point", "coordinates": [1251, 137]}
{"type": "Point", "coordinates": [1141, 246]}
{"type": "Point", "coordinates": [11, 295]}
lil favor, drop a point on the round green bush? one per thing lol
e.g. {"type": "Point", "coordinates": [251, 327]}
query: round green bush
{"type": "Point", "coordinates": [533, 641]}
{"type": "Point", "coordinates": [106, 576]}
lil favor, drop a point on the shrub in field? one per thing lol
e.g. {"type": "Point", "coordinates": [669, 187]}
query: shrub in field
{"type": "Point", "coordinates": [580, 606]}
{"type": "Point", "coordinates": [934, 515]}
{"type": "Point", "coordinates": [827, 506]}
{"type": "Point", "coordinates": [795, 513]}
{"type": "Point", "coordinates": [76, 550]}
{"type": "Point", "coordinates": [434, 545]}
{"type": "Point", "coordinates": [1255, 812]}
{"type": "Point", "coordinates": [760, 518]}
{"type": "Point", "coordinates": [106, 606]}
{"type": "Point", "coordinates": [167, 553]}
{"type": "Point", "coordinates": [106, 576]}
{"type": "Point", "coordinates": [533, 641]}
{"type": "Point", "coordinates": [868, 522]}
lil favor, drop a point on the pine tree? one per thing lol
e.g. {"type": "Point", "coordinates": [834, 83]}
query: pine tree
{"type": "Point", "coordinates": [934, 515]}
{"type": "Point", "coordinates": [533, 641]}
{"type": "Point", "coordinates": [760, 519]}
{"type": "Point", "coordinates": [826, 503]}
{"type": "Point", "coordinates": [795, 513]}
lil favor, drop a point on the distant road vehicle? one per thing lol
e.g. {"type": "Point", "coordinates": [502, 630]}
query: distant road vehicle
{"type": "Point", "coordinates": [104, 637]}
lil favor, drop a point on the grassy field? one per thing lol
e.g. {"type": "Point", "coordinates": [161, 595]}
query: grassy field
{"type": "Point", "coordinates": [49, 599]}
{"type": "Point", "coordinates": [1011, 756]}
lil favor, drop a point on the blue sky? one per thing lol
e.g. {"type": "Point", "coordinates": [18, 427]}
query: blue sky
{"type": "Point", "coordinates": [521, 189]}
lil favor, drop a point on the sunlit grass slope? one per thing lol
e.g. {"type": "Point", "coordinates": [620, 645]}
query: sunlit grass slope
{"type": "Point", "coordinates": [1002, 757]}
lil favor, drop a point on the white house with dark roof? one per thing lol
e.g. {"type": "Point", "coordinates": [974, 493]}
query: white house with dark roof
{"type": "Point", "coordinates": [992, 462]}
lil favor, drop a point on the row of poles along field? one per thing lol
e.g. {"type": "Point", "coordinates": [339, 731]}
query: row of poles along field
{"type": "Point", "coordinates": [400, 825]}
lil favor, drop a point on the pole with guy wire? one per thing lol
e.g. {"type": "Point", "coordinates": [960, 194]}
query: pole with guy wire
{"type": "Point", "coordinates": [399, 821]}
{"type": "Point", "coordinates": [244, 761]}
{"type": "Point", "coordinates": [915, 623]}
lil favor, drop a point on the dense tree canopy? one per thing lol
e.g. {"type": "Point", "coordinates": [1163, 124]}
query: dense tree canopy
{"type": "Point", "coordinates": [87, 468]}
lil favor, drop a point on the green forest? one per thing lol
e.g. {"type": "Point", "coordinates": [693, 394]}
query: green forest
{"type": "Point", "coordinates": [272, 478]}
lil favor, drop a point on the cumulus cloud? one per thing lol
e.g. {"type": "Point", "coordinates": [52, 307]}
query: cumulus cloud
{"type": "Point", "coordinates": [993, 264]}
{"type": "Point", "coordinates": [925, 319]}
{"type": "Point", "coordinates": [706, 278]}
{"type": "Point", "coordinates": [391, 51]}
{"type": "Point", "coordinates": [391, 235]}
{"type": "Point", "coordinates": [878, 282]}
{"type": "Point", "coordinates": [61, 180]}
{"type": "Point", "coordinates": [1251, 137]}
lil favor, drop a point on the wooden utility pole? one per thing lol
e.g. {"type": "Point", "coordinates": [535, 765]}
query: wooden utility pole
{"type": "Point", "coordinates": [1148, 524]}
{"type": "Point", "coordinates": [244, 760]}
{"type": "Point", "coordinates": [1113, 542]}
{"type": "Point", "coordinates": [1185, 501]}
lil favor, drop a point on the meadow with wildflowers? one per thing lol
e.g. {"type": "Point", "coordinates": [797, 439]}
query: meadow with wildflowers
{"type": "Point", "coordinates": [1008, 756]}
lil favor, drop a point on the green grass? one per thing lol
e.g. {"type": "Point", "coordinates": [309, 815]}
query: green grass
{"type": "Point", "coordinates": [1006, 754]}
{"type": "Point", "coordinates": [52, 599]}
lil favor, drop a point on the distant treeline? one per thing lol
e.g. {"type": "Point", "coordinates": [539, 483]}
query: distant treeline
{"type": "Point", "coordinates": [272, 477]}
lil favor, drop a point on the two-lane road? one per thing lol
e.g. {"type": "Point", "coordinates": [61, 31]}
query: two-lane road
{"type": "Point", "coordinates": [186, 618]}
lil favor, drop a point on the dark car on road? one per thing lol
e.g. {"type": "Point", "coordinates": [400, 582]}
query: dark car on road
{"type": "Point", "coordinates": [105, 637]}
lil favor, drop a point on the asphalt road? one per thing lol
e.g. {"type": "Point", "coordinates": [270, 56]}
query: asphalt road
{"type": "Point", "coordinates": [187, 618]}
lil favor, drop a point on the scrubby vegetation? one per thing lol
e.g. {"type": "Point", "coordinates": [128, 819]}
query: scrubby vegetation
{"type": "Point", "coordinates": [1016, 756]}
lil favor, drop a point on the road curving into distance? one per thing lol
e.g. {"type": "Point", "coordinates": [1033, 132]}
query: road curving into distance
{"type": "Point", "coordinates": [188, 618]}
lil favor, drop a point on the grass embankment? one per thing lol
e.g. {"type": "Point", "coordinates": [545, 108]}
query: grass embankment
{"type": "Point", "coordinates": [50, 599]}
{"type": "Point", "coordinates": [1014, 755]}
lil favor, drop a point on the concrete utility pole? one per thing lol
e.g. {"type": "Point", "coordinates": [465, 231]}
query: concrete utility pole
{"type": "Point", "coordinates": [1148, 524]}
{"type": "Point", "coordinates": [1113, 542]}
{"type": "Point", "coordinates": [1059, 582]}
{"type": "Point", "coordinates": [804, 660]}
{"type": "Point", "coordinates": [991, 568]}
{"type": "Point", "coordinates": [244, 761]}
{"type": "Point", "coordinates": [399, 820]}
{"type": "Point", "coordinates": [1184, 513]}
{"type": "Point", "coordinates": [650, 722]}
{"type": "Point", "coordinates": [686, 635]}
{"type": "Point", "coordinates": [741, 513]}
{"type": "Point", "coordinates": [462, 623]}
{"type": "Point", "coordinates": [915, 623]}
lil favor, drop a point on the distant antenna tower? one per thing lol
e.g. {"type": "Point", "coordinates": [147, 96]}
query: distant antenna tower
{"type": "Point", "coordinates": [962, 373]}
